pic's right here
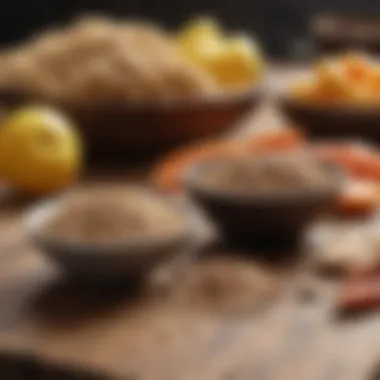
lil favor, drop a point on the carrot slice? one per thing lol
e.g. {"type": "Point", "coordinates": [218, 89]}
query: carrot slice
{"type": "Point", "coordinates": [167, 174]}
{"type": "Point", "coordinates": [279, 140]}
{"type": "Point", "coordinates": [360, 198]}
{"type": "Point", "coordinates": [360, 290]}
{"type": "Point", "coordinates": [360, 294]}
{"type": "Point", "coordinates": [358, 160]}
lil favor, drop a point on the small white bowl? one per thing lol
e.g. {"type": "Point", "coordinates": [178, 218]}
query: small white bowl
{"type": "Point", "coordinates": [130, 256]}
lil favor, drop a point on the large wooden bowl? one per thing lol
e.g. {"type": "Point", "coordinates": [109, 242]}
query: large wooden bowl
{"type": "Point", "coordinates": [120, 131]}
{"type": "Point", "coordinates": [325, 121]}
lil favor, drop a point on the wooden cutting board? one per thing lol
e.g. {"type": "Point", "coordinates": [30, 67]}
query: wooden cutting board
{"type": "Point", "coordinates": [168, 328]}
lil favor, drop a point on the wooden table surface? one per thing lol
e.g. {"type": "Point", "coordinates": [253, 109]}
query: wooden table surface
{"type": "Point", "coordinates": [51, 328]}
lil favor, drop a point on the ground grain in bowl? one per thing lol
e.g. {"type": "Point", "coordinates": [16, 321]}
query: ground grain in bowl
{"type": "Point", "coordinates": [107, 215]}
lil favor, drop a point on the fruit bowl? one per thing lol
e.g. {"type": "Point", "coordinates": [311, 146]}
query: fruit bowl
{"type": "Point", "coordinates": [327, 120]}
{"type": "Point", "coordinates": [115, 132]}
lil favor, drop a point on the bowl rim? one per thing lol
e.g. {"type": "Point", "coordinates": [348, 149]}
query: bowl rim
{"type": "Point", "coordinates": [191, 178]}
{"type": "Point", "coordinates": [284, 99]}
{"type": "Point", "coordinates": [233, 97]}
{"type": "Point", "coordinates": [35, 216]}
{"type": "Point", "coordinates": [331, 109]}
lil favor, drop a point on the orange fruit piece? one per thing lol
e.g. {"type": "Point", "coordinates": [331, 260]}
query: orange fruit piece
{"type": "Point", "coordinates": [168, 173]}
{"type": "Point", "coordinates": [276, 141]}
{"type": "Point", "coordinates": [358, 160]}
{"type": "Point", "coordinates": [356, 66]}
{"type": "Point", "coordinates": [360, 198]}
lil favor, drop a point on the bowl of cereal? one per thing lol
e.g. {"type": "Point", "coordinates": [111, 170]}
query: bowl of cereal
{"type": "Point", "coordinates": [128, 85]}
{"type": "Point", "coordinates": [109, 231]}
{"type": "Point", "coordinates": [268, 200]}
{"type": "Point", "coordinates": [341, 98]}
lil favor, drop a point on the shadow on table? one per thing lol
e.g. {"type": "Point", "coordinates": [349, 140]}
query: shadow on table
{"type": "Point", "coordinates": [375, 375]}
{"type": "Point", "coordinates": [72, 302]}
{"type": "Point", "coordinates": [27, 368]}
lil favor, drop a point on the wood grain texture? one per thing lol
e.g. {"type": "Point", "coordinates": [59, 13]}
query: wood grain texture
{"type": "Point", "coordinates": [52, 328]}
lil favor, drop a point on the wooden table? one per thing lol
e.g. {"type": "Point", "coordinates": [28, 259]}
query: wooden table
{"type": "Point", "coordinates": [51, 328]}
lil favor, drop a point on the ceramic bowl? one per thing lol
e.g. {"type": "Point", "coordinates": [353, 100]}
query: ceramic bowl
{"type": "Point", "coordinates": [333, 121]}
{"type": "Point", "coordinates": [274, 219]}
{"type": "Point", "coordinates": [125, 257]}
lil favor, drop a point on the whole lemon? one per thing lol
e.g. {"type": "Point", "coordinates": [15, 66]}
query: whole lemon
{"type": "Point", "coordinates": [234, 61]}
{"type": "Point", "coordinates": [237, 64]}
{"type": "Point", "coordinates": [200, 36]}
{"type": "Point", "coordinates": [40, 150]}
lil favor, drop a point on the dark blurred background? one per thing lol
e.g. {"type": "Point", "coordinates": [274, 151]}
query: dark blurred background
{"type": "Point", "coordinates": [281, 25]}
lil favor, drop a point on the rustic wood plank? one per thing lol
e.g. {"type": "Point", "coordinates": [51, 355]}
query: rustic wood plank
{"type": "Point", "coordinates": [50, 324]}
{"type": "Point", "coordinates": [51, 328]}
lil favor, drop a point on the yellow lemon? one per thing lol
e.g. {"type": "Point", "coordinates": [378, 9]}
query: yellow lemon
{"type": "Point", "coordinates": [40, 151]}
{"type": "Point", "coordinates": [203, 27]}
{"type": "Point", "coordinates": [199, 37]}
{"type": "Point", "coordinates": [235, 62]}
{"type": "Point", "coordinates": [238, 64]}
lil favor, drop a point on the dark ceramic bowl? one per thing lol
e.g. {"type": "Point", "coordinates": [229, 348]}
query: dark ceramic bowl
{"type": "Point", "coordinates": [264, 219]}
{"type": "Point", "coordinates": [117, 132]}
{"type": "Point", "coordinates": [327, 121]}
{"type": "Point", "coordinates": [127, 257]}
